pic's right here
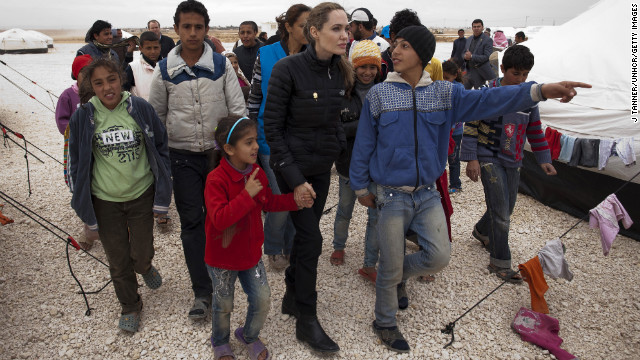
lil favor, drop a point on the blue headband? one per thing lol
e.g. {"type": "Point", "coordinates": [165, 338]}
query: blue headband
{"type": "Point", "coordinates": [234, 126]}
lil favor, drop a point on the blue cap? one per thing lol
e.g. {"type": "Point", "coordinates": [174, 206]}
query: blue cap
{"type": "Point", "coordinates": [385, 32]}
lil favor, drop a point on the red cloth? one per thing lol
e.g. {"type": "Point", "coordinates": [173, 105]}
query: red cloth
{"type": "Point", "coordinates": [3, 219]}
{"type": "Point", "coordinates": [532, 273]}
{"type": "Point", "coordinates": [443, 187]}
{"type": "Point", "coordinates": [553, 140]}
{"type": "Point", "coordinates": [235, 218]}
{"type": "Point", "coordinates": [542, 330]}
{"type": "Point", "coordinates": [452, 143]}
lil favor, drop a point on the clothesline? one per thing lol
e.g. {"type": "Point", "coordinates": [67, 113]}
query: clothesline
{"type": "Point", "coordinates": [449, 328]}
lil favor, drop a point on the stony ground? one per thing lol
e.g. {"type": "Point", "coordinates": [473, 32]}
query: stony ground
{"type": "Point", "coordinates": [42, 316]}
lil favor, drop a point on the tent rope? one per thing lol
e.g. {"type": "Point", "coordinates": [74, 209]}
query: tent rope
{"type": "Point", "coordinates": [28, 94]}
{"type": "Point", "coordinates": [33, 82]}
{"type": "Point", "coordinates": [20, 136]}
{"type": "Point", "coordinates": [69, 240]}
{"type": "Point", "coordinates": [449, 329]}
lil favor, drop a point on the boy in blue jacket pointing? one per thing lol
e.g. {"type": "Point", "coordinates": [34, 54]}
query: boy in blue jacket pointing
{"type": "Point", "coordinates": [399, 152]}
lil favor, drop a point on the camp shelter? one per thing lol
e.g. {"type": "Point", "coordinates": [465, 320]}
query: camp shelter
{"type": "Point", "coordinates": [18, 41]}
{"type": "Point", "coordinates": [45, 37]}
{"type": "Point", "coordinates": [566, 52]}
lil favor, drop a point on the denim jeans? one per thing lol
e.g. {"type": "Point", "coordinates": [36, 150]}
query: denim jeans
{"type": "Point", "coordinates": [346, 202]}
{"type": "Point", "coordinates": [454, 164]}
{"type": "Point", "coordinates": [189, 172]}
{"type": "Point", "coordinates": [398, 212]}
{"type": "Point", "coordinates": [255, 285]}
{"type": "Point", "coordinates": [278, 227]}
{"type": "Point", "coordinates": [302, 274]}
{"type": "Point", "coordinates": [126, 233]}
{"type": "Point", "coordinates": [500, 192]}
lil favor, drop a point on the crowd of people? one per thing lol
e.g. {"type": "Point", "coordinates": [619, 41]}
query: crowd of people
{"type": "Point", "coordinates": [233, 133]}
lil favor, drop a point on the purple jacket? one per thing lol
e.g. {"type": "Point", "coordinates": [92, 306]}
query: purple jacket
{"type": "Point", "coordinates": [67, 104]}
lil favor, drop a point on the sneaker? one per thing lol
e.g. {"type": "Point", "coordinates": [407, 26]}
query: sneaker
{"type": "Point", "coordinates": [152, 278]}
{"type": "Point", "coordinates": [200, 308]}
{"type": "Point", "coordinates": [278, 262]}
{"type": "Point", "coordinates": [403, 298]}
{"type": "Point", "coordinates": [392, 338]}
{"type": "Point", "coordinates": [454, 190]}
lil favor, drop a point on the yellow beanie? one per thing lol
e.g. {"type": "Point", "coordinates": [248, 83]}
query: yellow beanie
{"type": "Point", "coordinates": [366, 52]}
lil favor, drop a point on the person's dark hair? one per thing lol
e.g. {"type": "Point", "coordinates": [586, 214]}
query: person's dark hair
{"type": "Point", "coordinates": [253, 24]}
{"type": "Point", "coordinates": [96, 28]}
{"type": "Point", "coordinates": [518, 57]}
{"type": "Point", "coordinates": [451, 68]}
{"type": "Point", "coordinates": [290, 17]}
{"type": "Point", "coordinates": [401, 20]}
{"type": "Point", "coordinates": [85, 91]}
{"type": "Point", "coordinates": [262, 35]}
{"type": "Point", "coordinates": [155, 21]}
{"type": "Point", "coordinates": [88, 71]}
{"type": "Point", "coordinates": [477, 21]}
{"type": "Point", "coordinates": [191, 6]}
{"type": "Point", "coordinates": [222, 132]}
{"type": "Point", "coordinates": [520, 34]}
{"type": "Point", "coordinates": [148, 36]}
{"type": "Point", "coordinates": [460, 30]}
{"type": "Point", "coordinates": [318, 16]}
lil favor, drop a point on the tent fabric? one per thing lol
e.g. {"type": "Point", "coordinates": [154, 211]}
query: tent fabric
{"type": "Point", "coordinates": [44, 37]}
{"type": "Point", "coordinates": [21, 41]}
{"type": "Point", "coordinates": [602, 112]}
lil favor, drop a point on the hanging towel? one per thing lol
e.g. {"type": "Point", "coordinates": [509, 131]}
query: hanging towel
{"type": "Point", "coordinates": [606, 216]}
{"type": "Point", "coordinates": [553, 139]}
{"type": "Point", "coordinates": [542, 330]}
{"type": "Point", "coordinates": [585, 153]}
{"type": "Point", "coordinates": [566, 147]}
{"type": "Point", "coordinates": [624, 148]}
{"type": "Point", "coordinates": [553, 262]}
{"type": "Point", "coordinates": [532, 273]}
{"type": "Point", "coordinates": [605, 152]}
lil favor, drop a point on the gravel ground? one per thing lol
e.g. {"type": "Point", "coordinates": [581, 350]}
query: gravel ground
{"type": "Point", "coordinates": [43, 317]}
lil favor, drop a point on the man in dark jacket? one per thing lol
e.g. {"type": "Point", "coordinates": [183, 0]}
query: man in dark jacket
{"type": "Point", "coordinates": [477, 50]}
{"type": "Point", "coordinates": [166, 43]}
{"type": "Point", "coordinates": [457, 53]}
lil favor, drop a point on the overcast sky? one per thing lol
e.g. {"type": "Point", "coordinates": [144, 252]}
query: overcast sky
{"type": "Point", "coordinates": [80, 14]}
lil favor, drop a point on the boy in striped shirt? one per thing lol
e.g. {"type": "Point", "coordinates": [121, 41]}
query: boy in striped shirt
{"type": "Point", "coordinates": [493, 149]}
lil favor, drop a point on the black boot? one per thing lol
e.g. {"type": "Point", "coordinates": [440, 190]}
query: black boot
{"type": "Point", "coordinates": [289, 304]}
{"type": "Point", "coordinates": [308, 330]}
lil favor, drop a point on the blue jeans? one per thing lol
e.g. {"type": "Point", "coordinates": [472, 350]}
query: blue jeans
{"type": "Point", "coordinates": [346, 201]}
{"type": "Point", "coordinates": [398, 212]}
{"type": "Point", "coordinates": [454, 164]}
{"type": "Point", "coordinates": [500, 192]}
{"type": "Point", "coordinates": [189, 172]}
{"type": "Point", "coordinates": [278, 227]}
{"type": "Point", "coordinates": [255, 285]}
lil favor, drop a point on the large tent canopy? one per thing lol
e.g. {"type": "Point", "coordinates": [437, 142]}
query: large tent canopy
{"type": "Point", "coordinates": [21, 42]}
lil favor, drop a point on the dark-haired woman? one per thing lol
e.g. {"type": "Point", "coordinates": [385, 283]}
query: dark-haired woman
{"type": "Point", "coordinates": [278, 228]}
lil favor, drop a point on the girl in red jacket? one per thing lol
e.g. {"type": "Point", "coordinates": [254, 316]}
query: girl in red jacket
{"type": "Point", "coordinates": [235, 193]}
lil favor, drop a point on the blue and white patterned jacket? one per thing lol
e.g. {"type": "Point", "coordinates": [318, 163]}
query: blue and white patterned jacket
{"type": "Point", "coordinates": [403, 133]}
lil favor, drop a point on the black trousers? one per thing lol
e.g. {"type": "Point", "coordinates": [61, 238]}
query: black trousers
{"type": "Point", "coordinates": [302, 273]}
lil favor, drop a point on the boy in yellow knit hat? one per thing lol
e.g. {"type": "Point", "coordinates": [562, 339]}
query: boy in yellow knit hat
{"type": "Point", "coordinates": [366, 61]}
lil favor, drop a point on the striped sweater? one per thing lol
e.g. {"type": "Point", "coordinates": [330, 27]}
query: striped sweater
{"type": "Point", "coordinates": [501, 140]}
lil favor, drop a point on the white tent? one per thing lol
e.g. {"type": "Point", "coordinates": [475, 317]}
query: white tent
{"type": "Point", "coordinates": [46, 38]}
{"type": "Point", "coordinates": [18, 41]}
{"type": "Point", "coordinates": [593, 48]}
